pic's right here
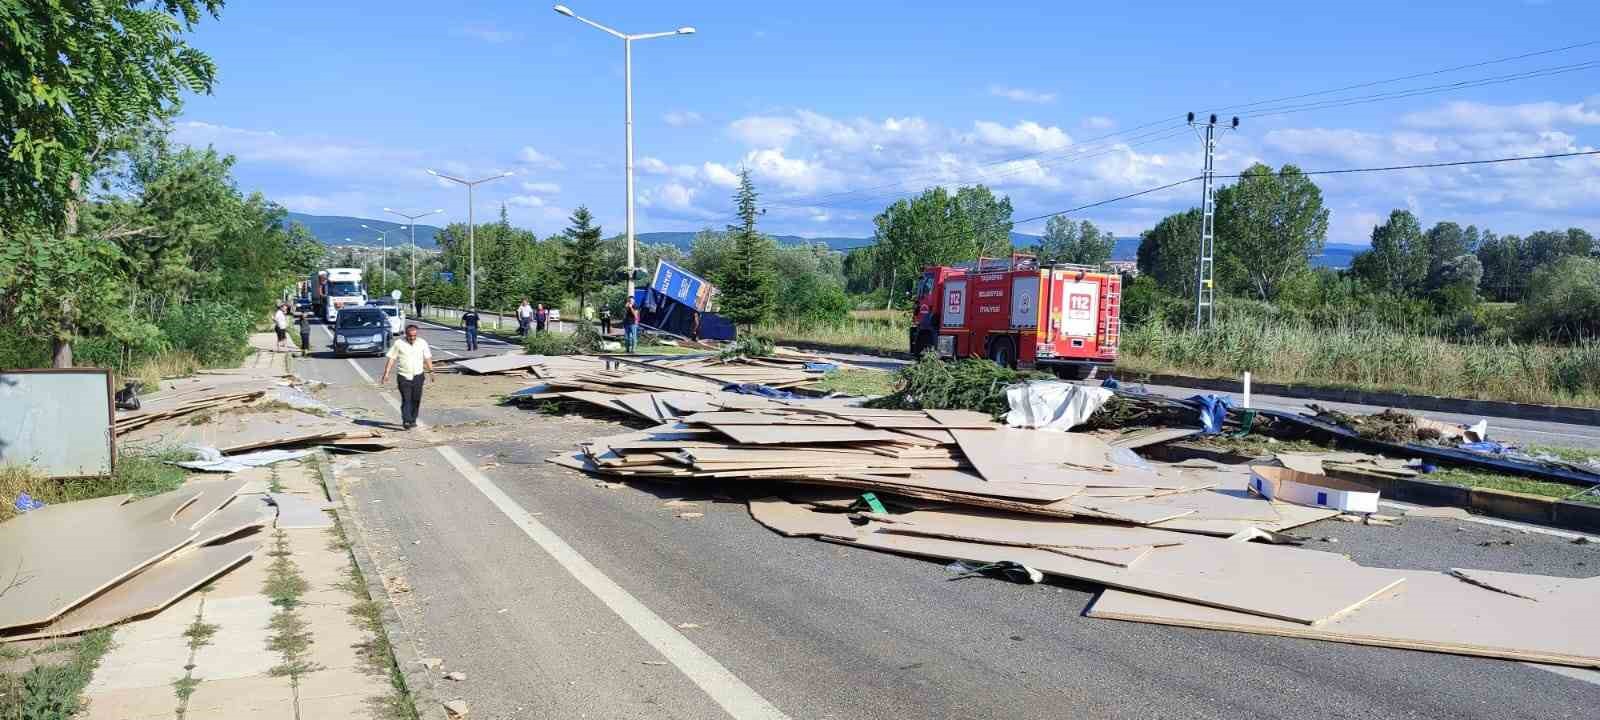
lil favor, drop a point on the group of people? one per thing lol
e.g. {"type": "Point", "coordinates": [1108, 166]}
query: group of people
{"type": "Point", "coordinates": [538, 318]}
{"type": "Point", "coordinates": [527, 316]}
{"type": "Point", "coordinates": [280, 325]}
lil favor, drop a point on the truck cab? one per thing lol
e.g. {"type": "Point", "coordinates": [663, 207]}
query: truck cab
{"type": "Point", "coordinates": [336, 288]}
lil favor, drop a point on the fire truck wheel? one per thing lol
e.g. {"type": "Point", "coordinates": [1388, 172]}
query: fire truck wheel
{"type": "Point", "coordinates": [1074, 372]}
{"type": "Point", "coordinates": [1002, 353]}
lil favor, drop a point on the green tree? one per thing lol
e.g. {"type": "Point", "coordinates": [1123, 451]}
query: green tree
{"type": "Point", "coordinates": [748, 284]}
{"type": "Point", "coordinates": [1269, 225]}
{"type": "Point", "coordinates": [709, 252]}
{"type": "Point", "coordinates": [930, 229]}
{"type": "Point", "coordinates": [1398, 260]}
{"type": "Point", "coordinates": [581, 259]}
{"type": "Point", "coordinates": [1080, 243]}
{"type": "Point", "coordinates": [1500, 258]}
{"type": "Point", "coordinates": [1169, 251]}
{"type": "Point", "coordinates": [1446, 241]}
{"type": "Point", "coordinates": [1563, 301]}
{"type": "Point", "coordinates": [989, 219]}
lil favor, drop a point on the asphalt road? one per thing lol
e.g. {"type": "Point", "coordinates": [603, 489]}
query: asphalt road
{"type": "Point", "coordinates": [816, 630]}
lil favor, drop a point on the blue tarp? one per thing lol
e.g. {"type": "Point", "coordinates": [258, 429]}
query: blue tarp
{"type": "Point", "coordinates": [1213, 412]}
{"type": "Point", "coordinates": [771, 393]}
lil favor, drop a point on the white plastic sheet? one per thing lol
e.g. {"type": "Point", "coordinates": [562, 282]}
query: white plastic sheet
{"type": "Point", "coordinates": [1053, 404]}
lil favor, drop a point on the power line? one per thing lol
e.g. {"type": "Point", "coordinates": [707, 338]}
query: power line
{"type": "Point", "coordinates": [1430, 90]}
{"type": "Point", "coordinates": [1422, 166]}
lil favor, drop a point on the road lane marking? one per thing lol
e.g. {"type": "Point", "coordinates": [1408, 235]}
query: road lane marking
{"type": "Point", "coordinates": [738, 699]}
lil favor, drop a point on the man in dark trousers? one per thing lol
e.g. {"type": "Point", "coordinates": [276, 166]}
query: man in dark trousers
{"type": "Point", "coordinates": [305, 334]}
{"type": "Point", "coordinates": [605, 320]}
{"type": "Point", "coordinates": [409, 359]}
{"type": "Point", "coordinates": [469, 321]}
{"type": "Point", "coordinates": [540, 317]}
{"type": "Point", "coordinates": [630, 326]}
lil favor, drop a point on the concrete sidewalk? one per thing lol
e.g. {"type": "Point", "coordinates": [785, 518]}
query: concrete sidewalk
{"type": "Point", "coordinates": [228, 651]}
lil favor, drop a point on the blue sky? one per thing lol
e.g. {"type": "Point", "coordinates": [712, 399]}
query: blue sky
{"type": "Point", "coordinates": [838, 108]}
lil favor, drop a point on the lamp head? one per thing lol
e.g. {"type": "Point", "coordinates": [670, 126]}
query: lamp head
{"type": "Point", "coordinates": [507, 173]}
{"type": "Point", "coordinates": [433, 172]}
{"type": "Point", "coordinates": [564, 10]}
{"type": "Point", "coordinates": [686, 30]}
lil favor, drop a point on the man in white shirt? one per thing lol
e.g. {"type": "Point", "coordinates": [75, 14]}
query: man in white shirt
{"type": "Point", "coordinates": [280, 325]}
{"type": "Point", "coordinates": [524, 317]}
{"type": "Point", "coordinates": [408, 359]}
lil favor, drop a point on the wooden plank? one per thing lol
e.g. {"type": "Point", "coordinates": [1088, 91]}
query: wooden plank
{"type": "Point", "coordinates": [499, 363]}
{"type": "Point", "coordinates": [1430, 611]}
{"type": "Point", "coordinates": [1043, 457]}
{"type": "Point", "coordinates": [792, 520]}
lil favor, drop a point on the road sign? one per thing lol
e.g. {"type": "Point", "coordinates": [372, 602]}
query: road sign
{"type": "Point", "coordinates": [447, 276]}
{"type": "Point", "coordinates": [395, 294]}
{"type": "Point", "coordinates": [681, 285]}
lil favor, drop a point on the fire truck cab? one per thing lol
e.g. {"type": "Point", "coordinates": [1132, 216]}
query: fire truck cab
{"type": "Point", "coordinates": [1064, 318]}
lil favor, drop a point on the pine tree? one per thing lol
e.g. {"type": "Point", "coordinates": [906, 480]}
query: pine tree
{"type": "Point", "coordinates": [747, 283]}
{"type": "Point", "coordinates": [581, 260]}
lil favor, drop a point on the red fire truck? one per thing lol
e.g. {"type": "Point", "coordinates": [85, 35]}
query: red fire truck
{"type": "Point", "coordinates": [1065, 318]}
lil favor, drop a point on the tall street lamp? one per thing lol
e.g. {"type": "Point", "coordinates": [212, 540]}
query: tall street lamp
{"type": "Point", "coordinates": [627, 64]}
{"type": "Point", "coordinates": [413, 219]}
{"type": "Point", "coordinates": [472, 245]}
{"type": "Point", "coordinates": [384, 235]}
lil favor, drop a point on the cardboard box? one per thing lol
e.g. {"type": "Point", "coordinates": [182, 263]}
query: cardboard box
{"type": "Point", "coordinates": [1300, 488]}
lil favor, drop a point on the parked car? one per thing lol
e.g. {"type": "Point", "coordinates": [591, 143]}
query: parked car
{"type": "Point", "coordinates": [361, 330]}
{"type": "Point", "coordinates": [397, 315]}
{"type": "Point", "coordinates": [555, 316]}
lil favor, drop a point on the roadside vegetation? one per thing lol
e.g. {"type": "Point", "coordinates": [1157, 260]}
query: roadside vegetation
{"type": "Point", "coordinates": [51, 687]}
{"type": "Point", "coordinates": [139, 472]}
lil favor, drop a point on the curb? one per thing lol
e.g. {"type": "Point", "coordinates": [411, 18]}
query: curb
{"type": "Point", "coordinates": [1502, 504]}
{"type": "Point", "coordinates": [1464, 406]}
{"type": "Point", "coordinates": [416, 677]}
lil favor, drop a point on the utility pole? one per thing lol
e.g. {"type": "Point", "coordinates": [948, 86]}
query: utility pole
{"type": "Point", "coordinates": [472, 237]}
{"type": "Point", "coordinates": [1206, 268]}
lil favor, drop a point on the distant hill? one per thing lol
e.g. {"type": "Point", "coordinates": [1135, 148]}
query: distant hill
{"type": "Point", "coordinates": [336, 230]}
{"type": "Point", "coordinates": [682, 240]}
{"type": "Point", "coordinates": [1338, 255]}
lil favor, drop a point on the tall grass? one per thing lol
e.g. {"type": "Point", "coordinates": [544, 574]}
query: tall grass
{"type": "Point", "coordinates": [1370, 358]}
{"type": "Point", "coordinates": [866, 335]}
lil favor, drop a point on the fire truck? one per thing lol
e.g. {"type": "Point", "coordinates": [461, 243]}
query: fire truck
{"type": "Point", "coordinates": [1064, 318]}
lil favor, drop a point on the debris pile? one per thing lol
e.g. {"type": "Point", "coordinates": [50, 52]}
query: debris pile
{"type": "Point", "coordinates": [235, 414]}
{"type": "Point", "coordinates": [1171, 543]}
{"type": "Point", "coordinates": [143, 555]}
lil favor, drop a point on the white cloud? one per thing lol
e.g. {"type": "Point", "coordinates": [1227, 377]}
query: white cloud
{"type": "Point", "coordinates": [1098, 122]}
{"type": "Point", "coordinates": [306, 203]}
{"type": "Point", "coordinates": [1524, 116]}
{"type": "Point", "coordinates": [528, 201]}
{"type": "Point", "coordinates": [541, 188]}
{"type": "Point", "coordinates": [719, 175]}
{"type": "Point", "coordinates": [317, 156]}
{"type": "Point", "coordinates": [1022, 94]}
{"type": "Point", "coordinates": [764, 130]}
{"type": "Point", "coordinates": [528, 155]}
{"type": "Point", "coordinates": [682, 118]}
{"type": "Point", "coordinates": [796, 174]}
{"type": "Point", "coordinates": [1026, 135]}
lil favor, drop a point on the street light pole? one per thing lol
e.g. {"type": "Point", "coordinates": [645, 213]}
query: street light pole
{"type": "Point", "coordinates": [627, 91]}
{"type": "Point", "coordinates": [384, 234]}
{"type": "Point", "coordinates": [472, 243]}
{"type": "Point", "coordinates": [413, 220]}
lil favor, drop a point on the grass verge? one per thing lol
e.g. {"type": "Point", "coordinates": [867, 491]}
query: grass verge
{"type": "Point", "coordinates": [856, 381]}
{"type": "Point", "coordinates": [1494, 481]}
{"type": "Point", "coordinates": [139, 472]}
{"type": "Point", "coordinates": [376, 653]}
{"type": "Point", "coordinates": [53, 691]}
{"type": "Point", "coordinates": [867, 335]}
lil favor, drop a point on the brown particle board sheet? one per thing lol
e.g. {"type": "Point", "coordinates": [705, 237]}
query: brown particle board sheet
{"type": "Point", "coordinates": [150, 590]}
{"type": "Point", "coordinates": [606, 401]}
{"type": "Point", "coordinates": [1009, 529]}
{"type": "Point", "coordinates": [964, 419]}
{"type": "Point", "coordinates": [792, 520]}
{"type": "Point", "coordinates": [803, 434]}
{"type": "Point", "coordinates": [499, 363]}
{"type": "Point", "coordinates": [58, 556]}
{"type": "Point", "coordinates": [244, 513]}
{"type": "Point", "coordinates": [729, 417]}
{"type": "Point", "coordinates": [1044, 457]}
{"type": "Point", "coordinates": [1530, 587]}
{"type": "Point", "coordinates": [958, 481]}
{"type": "Point", "coordinates": [213, 495]}
{"type": "Point", "coordinates": [1429, 611]}
{"type": "Point", "coordinates": [1238, 577]}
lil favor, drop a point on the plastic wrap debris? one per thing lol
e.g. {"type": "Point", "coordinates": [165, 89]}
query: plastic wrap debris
{"type": "Point", "coordinates": [821, 367]}
{"type": "Point", "coordinates": [1213, 412]}
{"type": "Point", "coordinates": [771, 393]}
{"type": "Point", "coordinates": [212, 460]}
{"type": "Point", "coordinates": [1053, 404]}
{"type": "Point", "coordinates": [25, 502]}
{"type": "Point", "coordinates": [1005, 569]}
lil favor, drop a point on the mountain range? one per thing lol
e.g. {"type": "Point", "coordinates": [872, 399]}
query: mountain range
{"type": "Point", "coordinates": [337, 230]}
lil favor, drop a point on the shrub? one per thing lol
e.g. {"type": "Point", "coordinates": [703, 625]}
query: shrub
{"type": "Point", "coordinates": [969, 384]}
{"type": "Point", "coordinates": [747, 346]}
{"type": "Point", "coordinates": [1563, 301]}
{"type": "Point", "coordinates": [217, 334]}
{"type": "Point", "coordinates": [550, 343]}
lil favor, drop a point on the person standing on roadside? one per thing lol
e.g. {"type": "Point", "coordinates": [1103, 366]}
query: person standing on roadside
{"type": "Point", "coordinates": [305, 334]}
{"type": "Point", "coordinates": [541, 317]}
{"type": "Point", "coordinates": [524, 317]}
{"type": "Point", "coordinates": [605, 320]}
{"type": "Point", "coordinates": [630, 326]}
{"type": "Point", "coordinates": [280, 326]}
{"type": "Point", "coordinates": [409, 359]}
{"type": "Point", "coordinates": [469, 321]}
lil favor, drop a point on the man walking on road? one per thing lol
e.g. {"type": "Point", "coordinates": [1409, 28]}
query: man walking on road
{"type": "Point", "coordinates": [524, 317]}
{"type": "Point", "coordinates": [540, 317]}
{"type": "Point", "coordinates": [280, 326]}
{"type": "Point", "coordinates": [408, 359]}
{"type": "Point", "coordinates": [630, 326]}
{"type": "Point", "coordinates": [469, 321]}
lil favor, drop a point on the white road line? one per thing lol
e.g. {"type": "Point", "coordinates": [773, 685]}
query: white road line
{"type": "Point", "coordinates": [481, 339]}
{"type": "Point", "coordinates": [1580, 674]}
{"type": "Point", "coordinates": [735, 697]}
